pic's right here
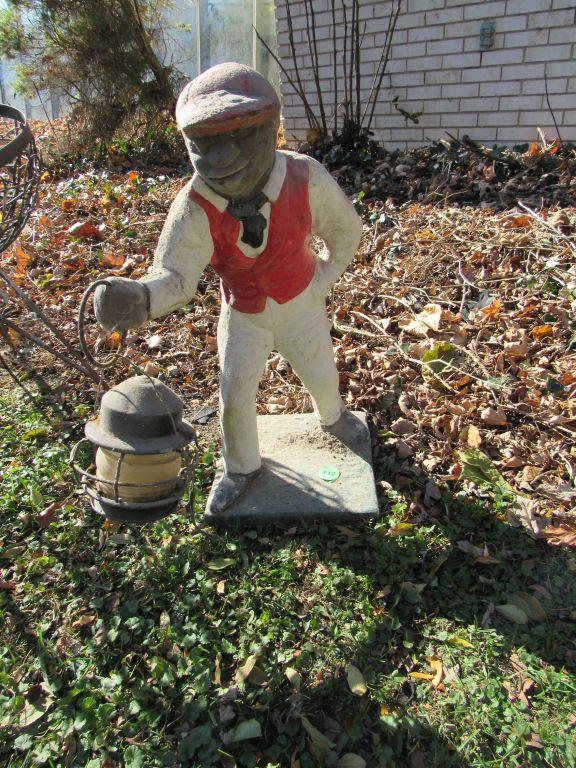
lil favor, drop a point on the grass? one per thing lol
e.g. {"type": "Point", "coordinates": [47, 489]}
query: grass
{"type": "Point", "coordinates": [123, 647]}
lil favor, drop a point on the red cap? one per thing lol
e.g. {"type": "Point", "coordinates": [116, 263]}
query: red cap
{"type": "Point", "coordinates": [224, 98]}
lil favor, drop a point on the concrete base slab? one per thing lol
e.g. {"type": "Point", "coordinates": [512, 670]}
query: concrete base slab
{"type": "Point", "coordinates": [289, 487]}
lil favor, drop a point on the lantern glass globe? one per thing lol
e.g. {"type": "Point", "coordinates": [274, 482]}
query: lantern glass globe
{"type": "Point", "coordinates": [140, 471]}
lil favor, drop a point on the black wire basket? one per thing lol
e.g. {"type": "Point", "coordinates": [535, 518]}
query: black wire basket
{"type": "Point", "coordinates": [19, 174]}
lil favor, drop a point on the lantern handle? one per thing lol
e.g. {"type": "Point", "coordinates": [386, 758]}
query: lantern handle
{"type": "Point", "coordinates": [111, 359]}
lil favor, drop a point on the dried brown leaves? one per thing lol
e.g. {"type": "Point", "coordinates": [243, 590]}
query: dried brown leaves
{"type": "Point", "coordinates": [454, 328]}
{"type": "Point", "coordinates": [493, 371]}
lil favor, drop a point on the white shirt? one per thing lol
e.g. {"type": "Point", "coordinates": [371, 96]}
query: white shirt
{"type": "Point", "coordinates": [185, 246]}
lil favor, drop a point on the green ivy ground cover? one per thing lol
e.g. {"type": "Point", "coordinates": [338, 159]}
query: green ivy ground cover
{"type": "Point", "coordinates": [178, 646]}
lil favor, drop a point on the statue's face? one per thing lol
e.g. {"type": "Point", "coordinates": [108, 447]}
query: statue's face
{"type": "Point", "coordinates": [236, 165]}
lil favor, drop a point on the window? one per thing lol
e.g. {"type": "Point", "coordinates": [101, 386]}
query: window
{"type": "Point", "coordinates": [202, 33]}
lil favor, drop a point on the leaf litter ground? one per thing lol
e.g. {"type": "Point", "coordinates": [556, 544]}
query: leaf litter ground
{"type": "Point", "coordinates": [440, 634]}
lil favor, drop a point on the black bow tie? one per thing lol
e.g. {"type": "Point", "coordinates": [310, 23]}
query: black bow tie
{"type": "Point", "coordinates": [248, 212]}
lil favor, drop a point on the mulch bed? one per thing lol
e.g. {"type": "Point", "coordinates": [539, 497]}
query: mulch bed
{"type": "Point", "coordinates": [454, 327]}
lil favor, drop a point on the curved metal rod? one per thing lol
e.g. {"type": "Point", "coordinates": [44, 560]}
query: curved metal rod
{"type": "Point", "coordinates": [111, 359]}
{"type": "Point", "coordinates": [10, 151]}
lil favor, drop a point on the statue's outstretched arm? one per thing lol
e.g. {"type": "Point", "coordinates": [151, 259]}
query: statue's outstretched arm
{"type": "Point", "coordinates": [184, 249]}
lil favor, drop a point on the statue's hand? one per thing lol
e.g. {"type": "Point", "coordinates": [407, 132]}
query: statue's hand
{"type": "Point", "coordinates": [121, 304]}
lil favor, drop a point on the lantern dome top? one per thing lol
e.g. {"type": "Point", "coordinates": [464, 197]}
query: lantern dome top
{"type": "Point", "coordinates": [140, 415]}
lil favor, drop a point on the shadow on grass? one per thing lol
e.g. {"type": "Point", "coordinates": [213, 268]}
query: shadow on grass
{"type": "Point", "coordinates": [403, 598]}
{"type": "Point", "coordinates": [443, 584]}
{"type": "Point", "coordinates": [433, 592]}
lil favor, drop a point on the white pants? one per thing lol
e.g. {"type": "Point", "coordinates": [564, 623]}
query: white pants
{"type": "Point", "coordinates": [300, 331]}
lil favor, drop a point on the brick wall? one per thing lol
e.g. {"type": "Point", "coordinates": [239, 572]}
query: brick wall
{"type": "Point", "coordinates": [437, 68]}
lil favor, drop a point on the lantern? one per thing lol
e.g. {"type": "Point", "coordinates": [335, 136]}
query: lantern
{"type": "Point", "coordinates": [142, 463]}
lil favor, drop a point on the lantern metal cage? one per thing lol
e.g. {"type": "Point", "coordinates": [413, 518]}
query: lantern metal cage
{"type": "Point", "coordinates": [105, 496]}
{"type": "Point", "coordinates": [19, 173]}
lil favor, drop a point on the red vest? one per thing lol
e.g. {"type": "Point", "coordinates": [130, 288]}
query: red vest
{"type": "Point", "coordinates": [287, 264]}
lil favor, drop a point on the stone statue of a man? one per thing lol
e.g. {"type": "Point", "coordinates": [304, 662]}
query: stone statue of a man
{"type": "Point", "coordinates": [249, 211]}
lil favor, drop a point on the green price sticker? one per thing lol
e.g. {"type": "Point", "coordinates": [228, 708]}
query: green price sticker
{"type": "Point", "coordinates": [329, 474]}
